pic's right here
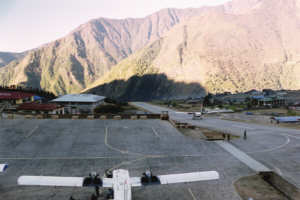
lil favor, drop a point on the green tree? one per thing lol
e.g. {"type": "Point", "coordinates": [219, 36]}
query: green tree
{"type": "Point", "coordinates": [248, 102]}
{"type": "Point", "coordinates": [208, 100]}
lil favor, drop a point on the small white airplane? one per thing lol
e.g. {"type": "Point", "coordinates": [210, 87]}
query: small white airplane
{"type": "Point", "coordinates": [119, 180]}
{"type": "Point", "coordinates": [3, 167]}
{"type": "Point", "coordinates": [197, 115]}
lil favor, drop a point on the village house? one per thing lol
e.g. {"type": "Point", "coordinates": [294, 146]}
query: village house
{"type": "Point", "coordinates": [17, 98]}
{"type": "Point", "coordinates": [41, 108]}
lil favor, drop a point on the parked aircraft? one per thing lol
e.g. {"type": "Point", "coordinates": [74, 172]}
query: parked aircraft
{"type": "Point", "coordinates": [197, 115]}
{"type": "Point", "coordinates": [200, 115]}
{"type": "Point", "coordinates": [119, 180]}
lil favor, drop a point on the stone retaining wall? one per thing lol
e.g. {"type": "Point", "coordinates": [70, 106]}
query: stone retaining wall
{"type": "Point", "coordinates": [86, 116]}
{"type": "Point", "coordinates": [281, 184]}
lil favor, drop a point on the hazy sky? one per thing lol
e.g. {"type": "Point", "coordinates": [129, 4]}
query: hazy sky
{"type": "Point", "coordinates": [27, 24]}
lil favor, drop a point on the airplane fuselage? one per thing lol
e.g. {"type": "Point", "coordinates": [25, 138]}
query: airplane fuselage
{"type": "Point", "coordinates": [121, 185]}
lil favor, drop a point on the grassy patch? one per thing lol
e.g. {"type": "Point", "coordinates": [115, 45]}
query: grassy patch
{"type": "Point", "coordinates": [235, 108]}
{"type": "Point", "coordinates": [179, 105]}
{"type": "Point", "coordinates": [204, 133]}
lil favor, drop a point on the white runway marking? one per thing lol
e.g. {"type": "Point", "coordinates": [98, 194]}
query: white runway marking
{"type": "Point", "coordinates": [142, 156]}
{"type": "Point", "coordinates": [192, 194]}
{"type": "Point", "coordinates": [108, 145]}
{"type": "Point", "coordinates": [278, 171]}
{"type": "Point", "coordinates": [116, 149]}
{"type": "Point", "coordinates": [127, 163]}
{"type": "Point", "coordinates": [287, 141]}
{"type": "Point", "coordinates": [292, 136]}
{"type": "Point", "coordinates": [32, 131]}
{"type": "Point", "coordinates": [243, 157]}
{"type": "Point", "coordinates": [156, 134]}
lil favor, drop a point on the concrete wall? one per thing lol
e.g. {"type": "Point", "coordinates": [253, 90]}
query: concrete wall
{"type": "Point", "coordinates": [88, 116]}
{"type": "Point", "coordinates": [281, 184]}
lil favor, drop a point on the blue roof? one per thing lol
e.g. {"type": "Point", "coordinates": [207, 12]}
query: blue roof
{"type": "Point", "coordinates": [258, 97]}
{"type": "Point", "coordinates": [288, 119]}
{"type": "Point", "coordinates": [37, 98]}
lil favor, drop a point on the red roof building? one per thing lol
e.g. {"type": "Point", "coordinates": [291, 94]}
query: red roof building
{"type": "Point", "coordinates": [41, 107]}
{"type": "Point", "coordinates": [14, 95]}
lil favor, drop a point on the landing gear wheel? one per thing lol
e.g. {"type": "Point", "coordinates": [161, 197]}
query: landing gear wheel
{"type": "Point", "coordinates": [110, 194]}
{"type": "Point", "coordinates": [94, 197]}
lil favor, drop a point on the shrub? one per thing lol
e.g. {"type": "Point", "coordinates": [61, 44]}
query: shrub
{"type": "Point", "coordinates": [110, 108]}
{"type": "Point", "coordinates": [291, 113]}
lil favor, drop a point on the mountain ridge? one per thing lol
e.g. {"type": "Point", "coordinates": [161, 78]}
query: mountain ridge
{"type": "Point", "coordinates": [255, 50]}
{"type": "Point", "coordinates": [238, 46]}
{"type": "Point", "coordinates": [7, 57]}
{"type": "Point", "coordinates": [71, 63]}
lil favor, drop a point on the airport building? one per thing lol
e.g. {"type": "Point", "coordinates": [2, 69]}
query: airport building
{"type": "Point", "coordinates": [269, 101]}
{"type": "Point", "coordinates": [41, 108]}
{"type": "Point", "coordinates": [18, 98]}
{"type": "Point", "coordinates": [79, 103]}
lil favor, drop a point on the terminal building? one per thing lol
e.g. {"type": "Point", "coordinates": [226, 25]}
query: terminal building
{"type": "Point", "coordinates": [79, 103]}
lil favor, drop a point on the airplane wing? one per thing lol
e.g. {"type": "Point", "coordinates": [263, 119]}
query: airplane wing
{"type": "Point", "coordinates": [175, 178]}
{"type": "Point", "coordinates": [3, 167]}
{"type": "Point", "coordinates": [51, 181]}
{"type": "Point", "coordinates": [64, 181]}
{"type": "Point", "coordinates": [188, 177]}
{"type": "Point", "coordinates": [135, 181]}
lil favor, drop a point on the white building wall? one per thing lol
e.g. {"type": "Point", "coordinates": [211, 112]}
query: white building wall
{"type": "Point", "coordinates": [77, 108]}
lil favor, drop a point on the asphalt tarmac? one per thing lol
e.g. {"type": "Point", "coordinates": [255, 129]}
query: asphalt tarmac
{"type": "Point", "coordinates": [77, 147]}
{"type": "Point", "coordinates": [275, 147]}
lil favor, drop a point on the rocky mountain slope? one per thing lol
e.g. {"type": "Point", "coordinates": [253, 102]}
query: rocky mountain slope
{"type": "Point", "coordinates": [242, 45]}
{"type": "Point", "coordinates": [73, 62]}
{"type": "Point", "coordinates": [7, 57]}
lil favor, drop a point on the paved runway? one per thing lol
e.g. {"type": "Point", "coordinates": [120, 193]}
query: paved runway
{"type": "Point", "coordinates": [77, 147]}
{"type": "Point", "coordinates": [275, 147]}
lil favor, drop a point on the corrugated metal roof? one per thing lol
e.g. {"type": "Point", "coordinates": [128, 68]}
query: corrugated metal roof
{"type": "Point", "coordinates": [89, 98]}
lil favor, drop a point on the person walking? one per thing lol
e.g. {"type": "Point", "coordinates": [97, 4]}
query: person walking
{"type": "Point", "coordinates": [245, 134]}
